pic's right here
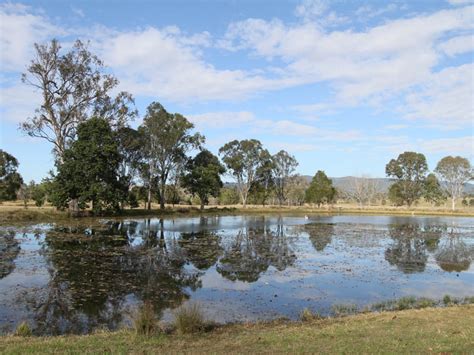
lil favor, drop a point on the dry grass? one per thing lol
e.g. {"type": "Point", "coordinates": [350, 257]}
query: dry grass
{"type": "Point", "coordinates": [438, 330]}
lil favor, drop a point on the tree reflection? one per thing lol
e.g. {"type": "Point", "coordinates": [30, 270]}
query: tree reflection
{"type": "Point", "coordinates": [9, 249]}
{"type": "Point", "coordinates": [202, 248]}
{"type": "Point", "coordinates": [320, 234]}
{"type": "Point", "coordinates": [411, 243]}
{"type": "Point", "coordinates": [253, 251]}
{"type": "Point", "coordinates": [454, 255]}
{"type": "Point", "coordinates": [95, 271]}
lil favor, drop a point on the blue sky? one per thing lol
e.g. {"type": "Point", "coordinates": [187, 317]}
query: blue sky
{"type": "Point", "coordinates": [343, 85]}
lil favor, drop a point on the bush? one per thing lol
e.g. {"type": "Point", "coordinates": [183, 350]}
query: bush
{"type": "Point", "coordinates": [145, 321]}
{"type": "Point", "coordinates": [189, 319]}
{"type": "Point", "coordinates": [23, 330]}
{"type": "Point", "coordinates": [447, 300]}
{"type": "Point", "coordinates": [307, 315]}
{"type": "Point", "coordinates": [340, 310]}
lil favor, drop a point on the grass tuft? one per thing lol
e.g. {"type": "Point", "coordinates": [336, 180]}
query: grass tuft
{"type": "Point", "coordinates": [145, 321]}
{"type": "Point", "coordinates": [341, 310]}
{"type": "Point", "coordinates": [307, 315]}
{"type": "Point", "coordinates": [23, 330]}
{"type": "Point", "coordinates": [190, 319]}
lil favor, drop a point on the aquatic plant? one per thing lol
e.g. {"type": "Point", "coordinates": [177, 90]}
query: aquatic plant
{"type": "Point", "coordinates": [307, 315]}
{"type": "Point", "coordinates": [189, 319]}
{"type": "Point", "coordinates": [23, 330]}
{"type": "Point", "coordinates": [145, 321]}
{"type": "Point", "coordinates": [340, 310]}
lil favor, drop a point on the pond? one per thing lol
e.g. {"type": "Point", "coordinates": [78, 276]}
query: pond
{"type": "Point", "coordinates": [76, 278]}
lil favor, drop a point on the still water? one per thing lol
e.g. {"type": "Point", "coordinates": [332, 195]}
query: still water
{"type": "Point", "coordinates": [76, 278]}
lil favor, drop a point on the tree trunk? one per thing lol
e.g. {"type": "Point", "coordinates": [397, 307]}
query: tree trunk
{"type": "Point", "coordinates": [202, 205]}
{"type": "Point", "coordinates": [149, 197]}
{"type": "Point", "coordinates": [162, 195]}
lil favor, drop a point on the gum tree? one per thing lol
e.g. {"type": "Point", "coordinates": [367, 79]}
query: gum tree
{"type": "Point", "coordinates": [74, 87]}
{"type": "Point", "coordinates": [284, 166]}
{"type": "Point", "coordinates": [454, 172]}
{"type": "Point", "coordinates": [168, 139]}
{"type": "Point", "coordinates": [202, 176]}
{"type": "Point", "coordinates": [409, 170]}
{"type": "Point", "coordinates": [243, 159]}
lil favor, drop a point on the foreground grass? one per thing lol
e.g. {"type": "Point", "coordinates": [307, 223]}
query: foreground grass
{"type": "Point", "coordinates": [426, 330]}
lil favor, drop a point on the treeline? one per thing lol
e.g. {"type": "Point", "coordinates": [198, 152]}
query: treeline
{"type": "Point", "coordinates": [104, 164]}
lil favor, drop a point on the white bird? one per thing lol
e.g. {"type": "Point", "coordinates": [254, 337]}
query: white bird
{"type": "Point", "coordinates": [305, 217]}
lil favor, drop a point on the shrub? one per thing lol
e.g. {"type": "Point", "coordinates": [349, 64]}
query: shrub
{"type": "Point", "coordinates": [145, 321]}
{"type": "Point", "coordinates": [447, 300]}
{"type": "Point", "coordinates": [340, 310]}
{"type": "Point", "coordinates": [406, 303]}
{"type": "Point", "coordinates": [189, 319]}
{"type": "Point", "coordinates": [307, 315]}
{"type": "Point", "coordinates": [23, 330]}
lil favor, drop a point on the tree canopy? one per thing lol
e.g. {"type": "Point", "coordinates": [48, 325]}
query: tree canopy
{"type": "Point", "coordinates": [454, 173]}
{"type": "Point", "coordinates": [90, 170]}
{"type": "Point", "coordinates": [74, 87]}
{"type": "Point", "coordinates": [168, 139]}
{"type": "Point", "coordinates": [409, 170]}
{"type": "Point", "coordinates": [320, 189]}
{"type": "Point", "coordinates": [10, 179]}
{"type": "Point", "coordinates": [202, 177]}
{"type": "Point", "coordinates": [243, 159]}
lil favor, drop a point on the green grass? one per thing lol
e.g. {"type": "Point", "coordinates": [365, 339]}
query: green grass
{"type": "Point", "coordinates": [448, 330]}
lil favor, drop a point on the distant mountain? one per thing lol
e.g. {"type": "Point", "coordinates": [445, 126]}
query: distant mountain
{"type": "Point", "coordinates": [346, 183]}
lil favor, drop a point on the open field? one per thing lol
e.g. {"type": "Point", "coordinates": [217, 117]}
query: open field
{"type": "Point", "coordinates": [438, 330]}
{"type": "Point", "coordinates": [13, 212]}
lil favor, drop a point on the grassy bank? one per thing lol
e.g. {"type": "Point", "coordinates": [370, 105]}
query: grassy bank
{"type": "Point", "coordinates": [426, 330]}
{"type": "Point", "coordinates": [11, 214]}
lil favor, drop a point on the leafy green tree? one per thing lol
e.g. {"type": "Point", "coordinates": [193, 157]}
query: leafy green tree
{"type": "Point", "coordinates": [74, 87]}
{"type": "Point", "coordinates": [284, 166]}
{"type": "Point", "coordinates": [167, 140]}
{"type": "Point", "coordinates": [264, 184]}
{"type": "Point", "coordinates": [410, 170]}
{"type": "Point", "coordinates": [433, 191]}
{"type": "Point", "coordinates": [297, 187]}
{"type": "Point", "coordinates": [243, 159]}
{"type": "Point", "coordinates": [39, 193]}
{"type": "Point", "coordinates": [228, 196]}
{"type": "Point", "coordinates": [454, 172]}
{"type": "Point", "coordinates": [320, 189]}
{"type": "Point", "coordinates": [202, 176]}
{"type": "Point", "coordinates": [131, 149]}
{"type": "Point", "coordinates": [90, 170]}
{"type": "Point", "coordinates": [10, 179]}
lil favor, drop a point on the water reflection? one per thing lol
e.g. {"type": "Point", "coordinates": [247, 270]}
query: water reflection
{"type": "Point", "coordinates": [93, 271]}
{"type": "Point", "coordinates": [91, 276]}
{"type": "Point", "coordinates": [320, 234]}
{"type": "Point", "coordinates": [253, 251]}
{"type": "Point", "coordinates": [454, 255]}
{"type": "Point", "coordinates": [411, 244]}
{"type": "Point", "coordinates": [9, 249]}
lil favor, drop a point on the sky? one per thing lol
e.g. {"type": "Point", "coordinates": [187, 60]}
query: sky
{"type": "Point", "coordinates": [344, 86]}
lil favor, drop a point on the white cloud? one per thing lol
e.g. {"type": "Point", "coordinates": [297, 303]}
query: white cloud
{"type": "Point", "coordinates": [458, 145]}
{"type": "Point", "coordinates": [446, 100]}
{"type": "Point", "coordinates": [20, 28]}
{"type": "Point", "coordinates": [458, 45]}
{"type": "Point", "coordinates": [18, 102]}
{"type": "Point", "coordinates": [461, 2]}
{"type": "Point", "coordinates": [225, 119]}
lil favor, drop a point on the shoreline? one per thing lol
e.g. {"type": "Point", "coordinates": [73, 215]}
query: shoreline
{"type": "Point", "coordinates": [447, 329]}
{"type": "Point", "coordinates": [14, 214]}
